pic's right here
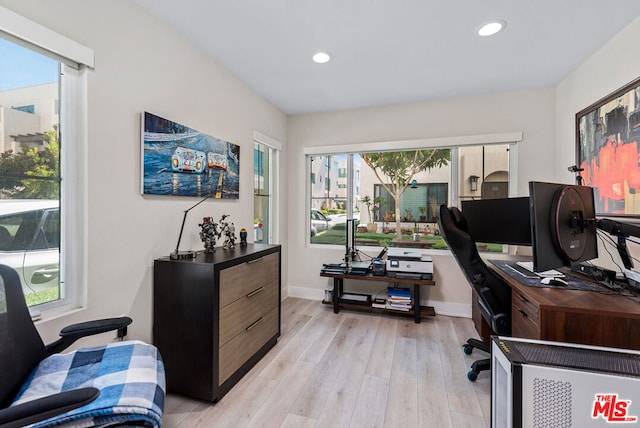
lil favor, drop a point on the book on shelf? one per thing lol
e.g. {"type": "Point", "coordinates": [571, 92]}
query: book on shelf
{"type": "Point", "coordinates": [399, 292]}
{"type": "Point", "coordinates": [400, 299]}
{"type": "Point", "coordinates": [379, 303]}
{"type": "Point", "coordinates": [398, 307]}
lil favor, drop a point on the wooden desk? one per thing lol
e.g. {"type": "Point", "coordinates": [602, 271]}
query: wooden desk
{"type": "Point", "coordinates": [417, 311]}
{"type": "Point", "coordinates": [574, 316]}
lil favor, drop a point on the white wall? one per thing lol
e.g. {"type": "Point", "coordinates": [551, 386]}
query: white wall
{"type": "Point", "coordinates": [141, 64]}
{"type": "Point", "coordinates": [609, 69]}
{"type": "Point", "coordinates": [615, 65]}
{"type": "Point", "coordinates": [530, 112]}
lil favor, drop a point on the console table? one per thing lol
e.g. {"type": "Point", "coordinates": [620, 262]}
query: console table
{"type": "Point", "coordinates": [575, 316]}
{"type": "Point", "coordinates": [417, 312]}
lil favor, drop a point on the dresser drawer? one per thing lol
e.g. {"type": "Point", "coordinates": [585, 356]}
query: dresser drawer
{"type": "Point", "coordinates": [239, 349]}
{"type": "Point", "coordinates": [240, 280]}
{"type": "Point", "coordinates": [236, 316]}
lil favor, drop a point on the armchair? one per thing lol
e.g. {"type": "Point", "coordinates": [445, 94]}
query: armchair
{"type": "Point", "coordinates": [494, 295]}
{"type": "Point", "coordinates": [121, 383]}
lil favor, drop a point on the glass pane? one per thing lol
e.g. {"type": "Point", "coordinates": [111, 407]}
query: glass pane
{"type": "Point", "coordinates": [262, 191]}
{"type": "Point", "coordinates": [403, 184]}
{"type": "Point", "coordinates": [484, 174]}
{"type": "Point", "coordinates": [30, 170]}
{"type": "Point", "coordinates": [328, 205]}
{"type": "Point", "coordinates": [373, 200]}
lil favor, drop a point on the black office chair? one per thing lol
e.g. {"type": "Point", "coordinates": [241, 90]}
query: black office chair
{"type": "Point", "coordinates": [39, 386]}
{"type": "Point", "coordinates": [494, 295]}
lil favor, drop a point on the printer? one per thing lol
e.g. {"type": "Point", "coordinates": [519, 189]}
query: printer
{"type": "Point", "coordinates": [408, 264]}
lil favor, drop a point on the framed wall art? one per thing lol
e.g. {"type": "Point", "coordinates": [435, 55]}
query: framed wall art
{"type": "Point", "coordinates": [607, 134]}
{"type": "Point", "coordinates": [181, 161]}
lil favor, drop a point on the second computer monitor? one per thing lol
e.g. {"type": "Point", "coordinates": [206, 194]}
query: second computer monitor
{"type": "Point", "coordinates": [501, 221]}
{"type": "Point", "coordinates": [562, 225]}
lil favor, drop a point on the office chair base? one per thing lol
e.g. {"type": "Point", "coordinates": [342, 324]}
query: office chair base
{"type": "Point", "coordinates": [477, 367]}
{"type": "Point", "coordinates": [475, 343]}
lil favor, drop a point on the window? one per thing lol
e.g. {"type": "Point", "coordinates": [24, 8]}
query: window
{"type": "Point", "coordinates": [265, 164]}
{"type": "Point", "coordinates": [30, 170]}
{"type": "Point", "coordinates": [262, 182]}
{"type": "Point", "coordinates": [414, 212]}
{"type": "Point", "coordinates": [42, 96]}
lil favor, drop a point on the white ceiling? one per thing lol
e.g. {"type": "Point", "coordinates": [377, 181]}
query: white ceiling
{"type": "Point", "coordinates": [394, 51]}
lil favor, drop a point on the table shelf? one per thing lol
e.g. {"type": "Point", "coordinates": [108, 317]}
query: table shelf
{"type": "Point", "coordinates": [338, 287]}
{"type": "Point", "coordinates": [425, 311]}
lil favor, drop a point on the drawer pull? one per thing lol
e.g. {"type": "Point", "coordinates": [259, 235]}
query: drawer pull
{"type": "Point", "coordinates": [523, 313]}
{"type": "Point", "coordinates": [254, 261]}
{"type": "Point", "coordinates": [255, 323]}
{"type": "Point", "coordinates": [254, 292]}
{"type": "Point", "coordinates": [522, 298]}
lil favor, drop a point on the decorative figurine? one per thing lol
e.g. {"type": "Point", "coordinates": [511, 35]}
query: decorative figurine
{"type": "Point", "coordinates": [209, 234]}
{"type": "Point", "coordinates": [211, 231]}
{"type": "Point", "coordinates": [229, 235]}
{"type": "Point", "coordinates": [243, 237]}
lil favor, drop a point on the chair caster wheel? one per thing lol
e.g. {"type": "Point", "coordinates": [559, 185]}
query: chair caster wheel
{"type": "Point", "coordinates": [472, 375]}
{"type": "Point", "coordinates": [467, 349]}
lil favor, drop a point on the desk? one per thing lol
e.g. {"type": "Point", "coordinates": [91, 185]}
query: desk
{"type": "Point", "coordinates": [338, 289]}
{"type": "Point", "coordinates": [574, 316]}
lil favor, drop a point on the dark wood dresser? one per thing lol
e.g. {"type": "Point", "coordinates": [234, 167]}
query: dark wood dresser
{"type": "Point", "coordinates": [215, 316]}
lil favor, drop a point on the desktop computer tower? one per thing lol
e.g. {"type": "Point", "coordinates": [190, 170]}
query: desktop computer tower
{"type": "Point", "coordinates": [551, 384]}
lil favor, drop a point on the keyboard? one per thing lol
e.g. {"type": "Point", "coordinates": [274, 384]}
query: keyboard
{"type": "Point", "coordinates": [552, 273]}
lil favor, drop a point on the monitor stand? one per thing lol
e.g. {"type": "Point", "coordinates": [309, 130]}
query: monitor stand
{"type": "Point", "coordinates": [601, 275]}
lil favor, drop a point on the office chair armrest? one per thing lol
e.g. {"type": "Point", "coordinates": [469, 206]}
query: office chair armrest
{"type": "Point", "coordinates": [71, 333]}
{"type": "Point", "coordinates": [38, 410]}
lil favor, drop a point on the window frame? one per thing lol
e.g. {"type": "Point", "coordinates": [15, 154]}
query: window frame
{"type": "Point", "coordinates": [75, 61]}
{"type": "Point", "coordinates": [511, 139]}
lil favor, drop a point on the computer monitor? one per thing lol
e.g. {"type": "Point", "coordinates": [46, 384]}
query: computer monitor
{"type": "Point", "coordinates": [563, 225]}
{"type": "Point", "coordinates": [500, 221]}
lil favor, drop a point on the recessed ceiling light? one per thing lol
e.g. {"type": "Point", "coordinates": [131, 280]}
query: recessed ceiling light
{"type": "Point", "coordinates": [321, 57]}
{"type": "Point", "coordinates": [490, 28]}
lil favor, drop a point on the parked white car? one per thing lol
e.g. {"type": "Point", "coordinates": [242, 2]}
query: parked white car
{"type": "Point", "coordinates": [319, 222]}
{"type": "Point", "coordinates": [30, 241]}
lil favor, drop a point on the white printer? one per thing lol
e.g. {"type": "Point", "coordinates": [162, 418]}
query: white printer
{"type": "Point", "coordinates": [408, 264]}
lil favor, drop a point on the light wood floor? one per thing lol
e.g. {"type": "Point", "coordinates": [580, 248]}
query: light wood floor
{"type": "Point", "coordinates": [352, 369]}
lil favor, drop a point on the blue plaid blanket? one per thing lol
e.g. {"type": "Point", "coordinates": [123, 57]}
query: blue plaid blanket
{"type": "Point", "coordinates": [129, 375]}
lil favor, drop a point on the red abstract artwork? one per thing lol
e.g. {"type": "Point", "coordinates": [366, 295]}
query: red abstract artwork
{"type": "Point", "coordinates": [607, 138]}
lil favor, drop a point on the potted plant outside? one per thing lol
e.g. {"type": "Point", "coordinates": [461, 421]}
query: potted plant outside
{"type": "Point", "coordinates": [371, 226]}
{"type": "Point", "coordinates": [423, 213]}
{"type": "Point", "coordinates": [408, 216]}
